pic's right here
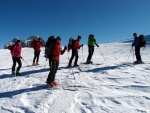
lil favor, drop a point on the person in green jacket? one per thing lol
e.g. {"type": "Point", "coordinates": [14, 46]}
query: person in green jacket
{"type": "Point", "coordinates": [91, 45]}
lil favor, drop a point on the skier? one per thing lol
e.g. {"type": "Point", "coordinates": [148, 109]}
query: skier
{"type": "Point", "coordinates": [136, 43]}
{"type": "Point", "coordinates": [55, 51]}
{"type": "Point", "coordinates": [37, 45]}
{"type": "Point", "coordinates": [76, 46]}
{"type": "Point", "coordinates": [91, 44]}
{"type": "Point", "coordinates": [16, 57]}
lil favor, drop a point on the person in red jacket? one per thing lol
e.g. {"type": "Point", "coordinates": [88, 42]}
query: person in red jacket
{"type": "Point", "coordinates": [54, 57]}
{"type": "Point", "coordinates": [16, 57]}
{"type": "Point", "coordinates": [37, 49]}
{"type": "Point", "coordinates": [76, 47]}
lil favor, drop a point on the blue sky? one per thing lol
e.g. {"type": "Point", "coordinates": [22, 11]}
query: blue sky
{"type": "Point", "coordinates": [108, 20]}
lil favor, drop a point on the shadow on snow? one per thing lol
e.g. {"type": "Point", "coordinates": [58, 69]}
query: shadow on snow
{"type": "Point", "coordinates": [98, 69]}
{"type": "Point", "coordinates": [3, 76]}
{"type": "Point", "coordinates": [10, 94]}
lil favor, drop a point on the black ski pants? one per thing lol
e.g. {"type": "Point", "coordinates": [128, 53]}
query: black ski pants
{"type": "Point", "coordinates": [74, 54]}
{"type": "Point", "coordinates": [36, 56]}
{"type": "Point", "coordinates": [53, 70]}
{"type": "Point", "coordinates": [137, 52]}
{"type": "Point", "coordinates": [16, 60]}
{"type": "Point", "coordinates": [91, 51]}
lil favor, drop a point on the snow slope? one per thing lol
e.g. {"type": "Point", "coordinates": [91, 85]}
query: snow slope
{"type": "Point", "coordinates": [111, 85]}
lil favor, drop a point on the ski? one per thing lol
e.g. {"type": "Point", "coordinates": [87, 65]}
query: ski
{"type": "Point", "coordinates": [70, 89]}
{"type": "Point", "coordinates": [39, 66]}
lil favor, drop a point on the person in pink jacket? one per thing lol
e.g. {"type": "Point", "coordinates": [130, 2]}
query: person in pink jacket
{"type": "Point", "coordinates": [16, 57]}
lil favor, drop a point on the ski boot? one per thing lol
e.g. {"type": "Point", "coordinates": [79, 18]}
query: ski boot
{"type": "Point", "coordinates": [17, 73]}
{"type": "Point", "coordinates": [75, 65]}
{"type": "Point", "coordinates": [33, 64]}
{"type": "Point", "coordinates": [37, 64]}
{"type": "Point", "coordinates": [55, 83]}
{"type": "Point", "coordinates": [13, 73]}
{"type": "Point", "coordinates": [50, 85]}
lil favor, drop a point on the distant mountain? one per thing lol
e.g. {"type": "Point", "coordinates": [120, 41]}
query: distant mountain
{"type": "Point", "coordinates": [24, 43]}
{"type": "Point", "coordinates": [147, 37]}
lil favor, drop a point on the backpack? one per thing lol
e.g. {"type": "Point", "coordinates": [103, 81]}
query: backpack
{"type": "Point", "coordinates": [10, 47]}
{"type": "Point", "coordinates": [33, 43]}
{"type": "Point", "coordinates": [70, 44]}
{"type": "Point", "coordinates": [49, 45]}
{"type": "Point", "coordinates": [142, 42]}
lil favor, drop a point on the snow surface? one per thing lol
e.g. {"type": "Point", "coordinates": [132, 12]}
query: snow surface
{"type": "Point", "coordinates": [111, 85]}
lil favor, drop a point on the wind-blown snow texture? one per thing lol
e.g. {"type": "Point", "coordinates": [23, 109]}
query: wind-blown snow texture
{"type": "Point", "coordinates": [115, 86]}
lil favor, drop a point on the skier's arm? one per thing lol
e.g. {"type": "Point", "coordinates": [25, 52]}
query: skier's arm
{"type": "Point", "coordinates": [13, 50]}
{"type": "Point", "coordinates": [136, 41]}
{"type": "Point", "coordinates": [63, 51]}
{"type": "Point", "coordinates": [42, 44]}
{"type": "Point", "coordinates": [96, 43]}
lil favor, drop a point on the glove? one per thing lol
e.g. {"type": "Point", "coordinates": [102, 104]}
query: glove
{"type": "Point", "coordinates": [65, 47]}
{"type": "Point", "coordinates": [81, 45]}
{"type": "Point", "coordinates": [45, 56]}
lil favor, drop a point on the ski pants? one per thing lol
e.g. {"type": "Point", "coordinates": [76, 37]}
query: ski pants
{"type": "Point", "coordinates": [74, 54]}
{"type": "Point", "coordinates": [53, 70]}
{"type": "Point", "coordinates": [16, 60]}
{"type": "Point", "coordinates": [91, 51]}
{"type": "Point", "coordinates": [137, 52]}
{"type": "Point", "coordinates": [36, 56]}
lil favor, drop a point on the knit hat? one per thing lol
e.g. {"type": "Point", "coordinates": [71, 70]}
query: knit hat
{"type": "Point", "coordinates": [18, 41]}
{"type": "Point", "coordinates": [79, 37]}
{"type": "Point", "coordinates": [39, 38]}
{"type": "Point", "coordinates": [58, 38]}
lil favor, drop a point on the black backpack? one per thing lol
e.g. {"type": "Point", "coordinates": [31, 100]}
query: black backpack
{"type": "Point", "coordinates": [10, 47]}
{"type": "Point", "coordinates": [49, 44]}
{"type": "Point", "coordinates": [70, 44]}
{"type": "Point", "coordinates": [142, 40]}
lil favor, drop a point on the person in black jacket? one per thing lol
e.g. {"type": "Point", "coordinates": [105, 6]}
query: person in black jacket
{"type": "Point", "coordinates": [136, 43]}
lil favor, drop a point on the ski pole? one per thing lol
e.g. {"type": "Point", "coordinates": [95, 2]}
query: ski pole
{"type": "Point", "coordinates": [144, 48]}
{"type": "Point", "coordinates": [103, 56]}
{"type": "Point", "coordinates": [82, 54]}
{"type": "Point", "coordinates": [129, 53]}
{"type": "Point", "coordinates": [27, 63]}
{"type": "Point", "coordinates": [133, 54]}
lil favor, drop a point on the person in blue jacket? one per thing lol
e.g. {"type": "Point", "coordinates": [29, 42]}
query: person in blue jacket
{"type": "Point", "coordinates": [136, 44]}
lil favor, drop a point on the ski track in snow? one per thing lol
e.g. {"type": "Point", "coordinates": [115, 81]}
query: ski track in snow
{"type": "Point", "coordinates": [111, 85]}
